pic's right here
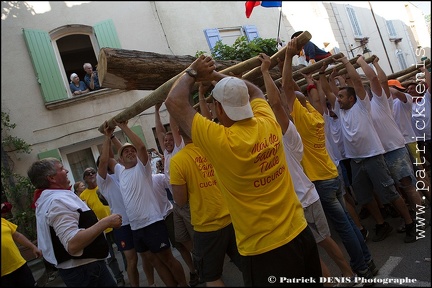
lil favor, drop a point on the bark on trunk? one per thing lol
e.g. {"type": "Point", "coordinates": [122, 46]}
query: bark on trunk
{"type": "Point", "coordinates": [139, 70]}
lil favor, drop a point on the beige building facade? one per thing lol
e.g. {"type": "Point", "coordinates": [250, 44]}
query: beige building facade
{"type": "Point", "coordinates": [44, 42]}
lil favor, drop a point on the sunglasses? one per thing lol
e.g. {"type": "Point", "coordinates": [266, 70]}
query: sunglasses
{"type": "Point", "coordinates": [88, 173]}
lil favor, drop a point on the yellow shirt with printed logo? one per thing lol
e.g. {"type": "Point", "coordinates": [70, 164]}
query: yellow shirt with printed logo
{"type": "Point", "coordinates": [208, 208]}
{"type": "Point", "coordinates": [316, 161]}
{"type": "Point", "coordinates": [252, 174]}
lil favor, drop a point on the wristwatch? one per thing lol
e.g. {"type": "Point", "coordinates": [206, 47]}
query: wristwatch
{"type": "Point", "coordinates": [191, 72]}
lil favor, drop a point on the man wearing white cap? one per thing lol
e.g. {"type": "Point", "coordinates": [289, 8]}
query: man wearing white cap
{"type": "Point", "coordinates": [146, 219]}
{"type": "Point", "coordinates": [246, 151]}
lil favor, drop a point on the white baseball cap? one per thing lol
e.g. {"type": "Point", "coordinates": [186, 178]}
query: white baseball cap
{"type": "Point", "coordinates": [232, 94]}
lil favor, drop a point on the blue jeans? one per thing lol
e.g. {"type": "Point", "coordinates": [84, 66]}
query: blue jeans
{"type": "Point", "coordinates": [330, 192]}
{"type": "Point", "coordinates": [95, 274]}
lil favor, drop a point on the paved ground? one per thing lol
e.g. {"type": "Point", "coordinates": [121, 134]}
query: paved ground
{"type": "Point", "coordinates": [231, 279]}
{"type": "Point", "coordinates": [396, 260]}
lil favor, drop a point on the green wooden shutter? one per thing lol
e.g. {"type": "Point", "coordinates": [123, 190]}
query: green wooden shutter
{"type": "Point", "coordinates": [51, 153]}
{"type": "Point", "coordinates": [138, 131]}
{"type": "Point", "coordinates": [106, 34]}
{"type": "Point", "coordinates": [45, 65]}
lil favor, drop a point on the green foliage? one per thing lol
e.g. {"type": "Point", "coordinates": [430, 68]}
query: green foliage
{"type": "Point", "coordinates": [243, 50]}
{"type": "Point", "coordinates": [11, 142]}
{"type": "Point", "coordinates": [199, 53]}
{"type": "Point", "coordinates": [17, 188]}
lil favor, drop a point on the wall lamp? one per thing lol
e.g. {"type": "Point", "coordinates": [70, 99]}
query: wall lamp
{"type": "Point", "coordinates": [363, 42]}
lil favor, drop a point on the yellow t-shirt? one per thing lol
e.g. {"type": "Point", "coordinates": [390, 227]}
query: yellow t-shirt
{"type": "Point", "coordinates": [90, 197]}
{"type": "Point", "coordinates": [316, 161]}
{"type": "Point", "coordinates": [208, 208]}
{"type": "Point", "coordinates": [252, 174]}
{"type": "Point", "coordinates": [11, 258]}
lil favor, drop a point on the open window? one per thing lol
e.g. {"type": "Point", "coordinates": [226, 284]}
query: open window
{"type": "Point", "coordinates": [62, 51]}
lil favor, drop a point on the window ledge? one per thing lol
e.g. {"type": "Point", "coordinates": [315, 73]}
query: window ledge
{"type": "Point", "coordinates": [80, 98]}
{"type": "Point", "coordinates": [396, 40]}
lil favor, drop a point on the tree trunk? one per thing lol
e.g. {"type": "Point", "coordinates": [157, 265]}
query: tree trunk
{"type": "Point", "coordinates": [139, 70]}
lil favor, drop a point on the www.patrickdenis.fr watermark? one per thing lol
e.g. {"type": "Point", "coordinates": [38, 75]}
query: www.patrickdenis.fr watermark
{"type": "Point", "coordinates": [419, 113]}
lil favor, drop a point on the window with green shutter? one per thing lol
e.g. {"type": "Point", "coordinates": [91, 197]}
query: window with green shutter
{"type": "Point", "coordinates": [51, 153]}
{"type": "Point", "coordinates": [53, 75]}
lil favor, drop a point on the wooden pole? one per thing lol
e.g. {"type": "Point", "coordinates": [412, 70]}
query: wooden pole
{"type": "Point", "coordinates": [411, 74]}
{"type": "Point", "coordinates": [160, 94]}
{"type": "Point", "coordinates": [302, 39]}
{"type": "Point", "coordinates": [413, 68]}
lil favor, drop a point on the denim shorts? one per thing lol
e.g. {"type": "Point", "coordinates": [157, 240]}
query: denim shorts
{"type": "Point", "coordinates": [400, 166]}
{"type": "Point", "coordinates": [317, 221]}
{"type": "Point", "coordinates": [415, 156]}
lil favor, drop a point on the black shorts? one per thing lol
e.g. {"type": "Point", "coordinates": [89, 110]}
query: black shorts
{"type": "Point", "coordinates": [123, 238]}
{"type": "Point", "coordinates": [210, 249]}
{"type": "Point", "coordinates": [296, 260]}
{"type": "Point", "coordinates": [153, 237]}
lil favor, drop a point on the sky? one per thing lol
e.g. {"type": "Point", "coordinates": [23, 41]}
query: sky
{"type": "Point", "coordinates": [425, 6]}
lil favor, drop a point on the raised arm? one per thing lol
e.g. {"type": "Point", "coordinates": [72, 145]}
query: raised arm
{"type": "Point", "coordinates": [382, 77]}
{"type": "Point", "coordinates": [136, 141]}
{"type": "Point", "coordinates": [322, 97]}
{"type": "Point", "coordinates": [354, 78]}
{"type": "Point", "coordinates": [204, 109]}
{"type": "Point", "coordinates": [332, 81]}
{"type": "Point", "coordinates": [324, 83]}
{"type": "Point", "coordinates": [160, 129]}
{"type": "Point", "coordinates": [288, 83]}
{"type": "Point", "coordinates": [375, 84]}
{"type": "Point", "coordinates": [395, 93]}
{"type": "Point", "coordinates": [273, 95]}
{"type": "Point", "coordinates": [175, 132]}
{"type": "Point", "coordinates": [313, 94]}
{"type": "Point", "coordinates": [177, 101]}
{"type": "Point", "coordinates": [106, 148]}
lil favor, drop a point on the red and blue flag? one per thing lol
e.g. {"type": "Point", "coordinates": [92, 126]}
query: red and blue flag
{"type": "Point", "coordinates": [268, 4]}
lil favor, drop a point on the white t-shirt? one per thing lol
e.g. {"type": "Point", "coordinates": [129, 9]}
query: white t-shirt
{"type": "Point", "coordinates": [334, 139]}
{"type": "Point", "coordinates": [303, 187]}
{"type": "Point", "coordinates": [402, 113]}
{"type": "Point", "coordinates": [110, 189]}
{"type": "Point", "coordinates": [359, 135]}
{"type": "Point", "coordinates": [384, 123]}
{"type": "Point", "coordinates": [167, 159]}
{"type": "Point", "coordinates": [421, 117]}
{"type": "Point", "coordinates": [159, 185]}
{"type": "Point", "coordinates": [138, 194]}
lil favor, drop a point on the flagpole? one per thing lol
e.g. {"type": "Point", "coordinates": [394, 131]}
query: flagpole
{"type": "Point", "coordinates": [280, 17]}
